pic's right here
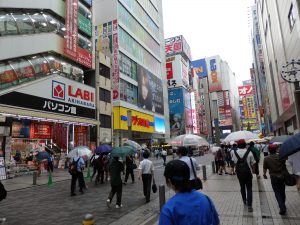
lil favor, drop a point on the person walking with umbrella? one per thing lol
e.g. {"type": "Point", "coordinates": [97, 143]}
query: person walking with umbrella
{"type": "Point", "coordinates": [115, 169]}
{"type": "Point", "coordinates": [79, 166]}
{"type": "Point", "coordinates": [244, 161]}
{"type": "Point", "coordinates": [146, 171]}
{"type": "Point", "coordinates": [276, 168]}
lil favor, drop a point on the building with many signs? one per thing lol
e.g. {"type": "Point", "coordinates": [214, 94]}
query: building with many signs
{"type": "Point", "coordinates": [278, 24]}
{"type": "Point", "coordinates": [178, 58]}
{"type": "Point", "coordinates": [47, 90]}
{"type": "Point", "coordinates": [130, 32]}
{"type": "Point", "coordinates": [218, 96]}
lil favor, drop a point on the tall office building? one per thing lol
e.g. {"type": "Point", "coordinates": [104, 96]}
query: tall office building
{"type": "Point", "coordinates": [47, 89]}
{"type": "Point", "coordinates": [178, 58]}
{"type": "Point", "coordinates": [219, 90]}
{"type": "Point", "coordinates": [130, 32]}
{"type": "Point", "coordinates": [278, 23]}
{"type": "Point", "coordinates": [258, 77]}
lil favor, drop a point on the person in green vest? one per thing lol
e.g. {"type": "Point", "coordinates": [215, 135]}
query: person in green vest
{"type": "Point", "coordinates": [256, 154]}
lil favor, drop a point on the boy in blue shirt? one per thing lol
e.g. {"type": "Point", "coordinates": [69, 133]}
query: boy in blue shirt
{"type": "Point", "coordinates": [187, 206]}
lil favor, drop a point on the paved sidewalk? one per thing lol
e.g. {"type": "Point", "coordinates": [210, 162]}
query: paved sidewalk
{"type": "Point", "coordinates": [224, 190]}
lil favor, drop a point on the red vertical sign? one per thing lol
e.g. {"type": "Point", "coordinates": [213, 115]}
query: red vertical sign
{"type": "Point", "coordinates": [71, 37]}
{"type": "Point", "coordinates": [169, 69]}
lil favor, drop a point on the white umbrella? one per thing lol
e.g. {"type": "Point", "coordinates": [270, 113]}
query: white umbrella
{"type": "Point", "coordinates": [82, 151]}
{"type": "Point", "coordinates": [246, 135]}
{"type": "Point", "coordinates": [189, 140]}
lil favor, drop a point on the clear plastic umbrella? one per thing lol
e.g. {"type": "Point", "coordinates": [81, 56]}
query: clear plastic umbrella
{"type": "Point", "coordinates": [189, 140]}
{"type": "Point", "coordinates": [133, 144]}
{"type": "Point", "coordinates": [244, 134]}
{"type": "Point", "coordinates": [82, 151]}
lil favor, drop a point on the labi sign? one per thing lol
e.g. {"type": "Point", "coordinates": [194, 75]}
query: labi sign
{"type": "Point", "coordinates": [55, 94]}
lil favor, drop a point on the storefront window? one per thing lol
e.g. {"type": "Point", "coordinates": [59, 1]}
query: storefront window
{"type": "Point", "coordinates": [84, 43]}
{"type": "Point", "coordinates": [40, 65]}
{"type": "Point", "coordinates": [55, 64]}
{"type": "Point", "coordinates": [8, 25]}
{"type": "Point", "coordinates": [53, 23]}
{"type": "Point", "coordinates": [128, 92]}
{"type": "Point", "coordinates": [24, 23]}
{"type": "Point", "coordinates": [138, 51]}
{"type": "Point", "coordinates": [77, 74]}
{"type": "Point", "coordinates": [84, 11]}
{"type": "Point", "coordinates": [40, 22]}
{"type": "Point", "coordinates": [127, 66]}
{"type": "Point", "coordinates": [23, 69]}
{"type": "Point", "coordinates": [7, 76]}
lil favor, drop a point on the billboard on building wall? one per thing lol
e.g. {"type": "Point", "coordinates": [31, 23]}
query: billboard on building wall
{"type": "Point", "coordinates": [177, 71]}
{"type": "Point", "coordinates": [245, 90]}
{"type": "Point", "coordinates": [177, 45]}
{"type": "Point", "coordinates": [56, 95]}
{"type": "Point", "coordinates": [141, 122]}
{"type": "Point", "coordinates": [107, 42]}
{"type": "Point", "coordinates": [284, 93]}
{"type": "Point", "coordinates": [159, 125]}
{"type": "Point", "coordinates": [150, 91]}
{"type": "Point", "coordinates": [200, 67]}
{"type": "Point", "coordinates": [176, 110]}
{"type": "Point", "coordinates": [214, 73]}
{"type": "Point", "coordinates": [71, 48]}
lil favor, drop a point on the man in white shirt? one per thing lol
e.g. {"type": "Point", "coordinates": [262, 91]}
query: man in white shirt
{"type": "Point", "coordinates": [182, 152]}
{"type": "Point", "coordinates": [146, 171]}
{"type": "Point", "coordinates": [244, 176]}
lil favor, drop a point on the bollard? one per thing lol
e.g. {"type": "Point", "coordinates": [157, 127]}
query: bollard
{"type": "Point", "coordinates": [162, 196]}
{"type": "Point", "coordinates": [204, 172]}
{"type": "Point", "coordinates": [213, 167]}
{"type": "Point", "coordinates": [88, 220]}
{"type": "Point", "coordinates": [34, 176]}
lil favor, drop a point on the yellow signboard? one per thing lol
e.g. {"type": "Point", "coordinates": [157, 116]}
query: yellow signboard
{"type": "Point", "coordinates": [140, 121]}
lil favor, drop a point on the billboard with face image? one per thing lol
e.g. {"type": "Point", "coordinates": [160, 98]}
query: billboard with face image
{"type": "Point", "coordinates": [150, 91]}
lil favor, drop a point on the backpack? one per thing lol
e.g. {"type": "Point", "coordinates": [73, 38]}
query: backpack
{"type": "Point", "coordinates": [242, 167]}
{"type": "Point", "coordinates": [73, 167]}
{"type": "Point", "coordinates": [3, 192]}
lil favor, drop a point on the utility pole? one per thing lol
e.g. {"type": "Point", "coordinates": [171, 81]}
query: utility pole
{"type": "Point", "coordinates": [129, 124]}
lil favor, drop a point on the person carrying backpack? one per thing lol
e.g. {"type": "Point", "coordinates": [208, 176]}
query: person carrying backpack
{"type": "Point", "coordinates": [244, 161]}
{"type": "Point", "coordinates": [75, 169]}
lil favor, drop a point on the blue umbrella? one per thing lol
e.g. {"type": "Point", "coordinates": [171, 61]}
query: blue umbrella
{"type": "Point", "coordinates": [105, 148]}
{"type": "Point", "coordinates": [42, 155]}
{"type": "Point", "coordinates": [290, 146]}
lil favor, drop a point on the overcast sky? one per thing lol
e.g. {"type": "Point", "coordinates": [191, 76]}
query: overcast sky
{"type": "Point", "coordinates": [213, 27]}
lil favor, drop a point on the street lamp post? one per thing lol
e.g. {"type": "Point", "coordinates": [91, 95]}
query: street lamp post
{"type": "Point", "coordinates": [290, 73]}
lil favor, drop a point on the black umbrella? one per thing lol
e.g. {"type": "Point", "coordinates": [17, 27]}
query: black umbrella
{"type": "Point", "coordinates": [290, 146]}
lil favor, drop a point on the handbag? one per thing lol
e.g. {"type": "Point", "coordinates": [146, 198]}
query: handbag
{"type": "Point", "coordinates": [134, 166]}
{"type": "Point", "coordinates": [196, 183]}
{"type": "Point", "coordinates": [154, 187]}
{"type": "Point", "coordinates": [289, 179]}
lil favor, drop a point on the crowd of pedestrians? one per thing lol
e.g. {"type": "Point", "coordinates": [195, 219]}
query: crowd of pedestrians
{"type": "Point", "coordinates": [238, 158]}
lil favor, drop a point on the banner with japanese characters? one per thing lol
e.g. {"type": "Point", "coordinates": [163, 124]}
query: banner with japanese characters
{"type": "Point", "coordinates": [71, 44]}
{"type": "Point", "coordinates": [107, 42]}
{"type": "Point", "coordinates": [177, 71]}
{"type": "Point", "coordinates": [56, 95]}
{"type": "Point", "coordinates": [177, 45]}
{"type": "Point", "coordinates": [245, 90]}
